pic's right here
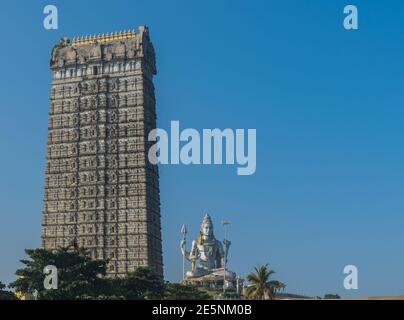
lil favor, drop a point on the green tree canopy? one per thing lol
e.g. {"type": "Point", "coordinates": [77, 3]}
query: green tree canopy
{"type": "Point", "coordinates": [80, 277]}
{"type": "Point", "coordinates": [177, 291]}
{"type": "Point", "coordinates": [78, 274]}
{"type": "Point", "coordinates": [143, 283]}
{"type": "Point", "coordinates": [332, 296]}
{"type": "Point", "coordinates": [4, 294]}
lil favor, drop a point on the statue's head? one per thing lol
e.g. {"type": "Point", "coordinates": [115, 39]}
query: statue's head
{"type": "Point", "coordinates": [207, 227]}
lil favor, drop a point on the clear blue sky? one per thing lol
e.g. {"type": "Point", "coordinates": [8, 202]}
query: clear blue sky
{"type": "Point", "coordinates": [327, 105]}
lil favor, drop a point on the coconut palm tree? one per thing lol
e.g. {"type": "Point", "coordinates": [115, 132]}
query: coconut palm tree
{"type": "Point", "coordinates": [261, 287]}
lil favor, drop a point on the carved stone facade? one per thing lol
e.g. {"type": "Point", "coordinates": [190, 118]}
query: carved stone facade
{"type": "Point", "coordinates": [101, 192]}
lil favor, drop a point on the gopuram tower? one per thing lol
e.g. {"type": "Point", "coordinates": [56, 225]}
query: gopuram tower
{"type": "Point", "coordinates": [101, 192]}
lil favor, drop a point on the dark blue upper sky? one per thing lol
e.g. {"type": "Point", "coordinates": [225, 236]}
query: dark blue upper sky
{"type": "Point", "coordinates": [327, 105]}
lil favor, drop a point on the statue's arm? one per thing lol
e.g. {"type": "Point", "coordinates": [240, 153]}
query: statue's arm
{"type": "Point", "coordinates": [227, 244]}
{"type": "Point", "coordinates": [223, 252]}
{"type": "Point", "coordinates": [193, 254]}
{"type": "Point", "coordinates": [184, 250]}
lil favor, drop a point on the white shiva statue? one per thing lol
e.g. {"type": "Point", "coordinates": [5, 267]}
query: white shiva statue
{"type": "Point", "coordinates": [210, 252]}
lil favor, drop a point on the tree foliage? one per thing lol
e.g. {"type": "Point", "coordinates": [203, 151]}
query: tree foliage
{"type": "Point", "coordinates": [332, 296]}
{"type": "Point", "coordinates": [80, 277]}
{"type": "Point", "coordinates": [260, 286]}
{"type": "Point", "coordinates": [4, 294]}
{"type": "Point", "coordinates": [143, 283]}
{"type": "Point", "coordinates": [78, 274]}
{"type": "Point", "coordinates": [177, 291]}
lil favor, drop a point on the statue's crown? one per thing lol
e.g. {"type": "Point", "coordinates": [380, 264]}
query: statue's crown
{"type": "Point", "coordinates": [207, 219]}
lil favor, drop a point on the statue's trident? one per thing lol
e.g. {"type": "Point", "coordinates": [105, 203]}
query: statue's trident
{"type": "Point", "coordinates": [184, 233]}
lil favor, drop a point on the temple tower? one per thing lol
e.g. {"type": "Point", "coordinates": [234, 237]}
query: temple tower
{"type": "Point", "coordinates": [101, 192]}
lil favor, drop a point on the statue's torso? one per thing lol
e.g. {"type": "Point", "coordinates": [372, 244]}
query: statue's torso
{"type": "Point", "coordinates": [209, 254]}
